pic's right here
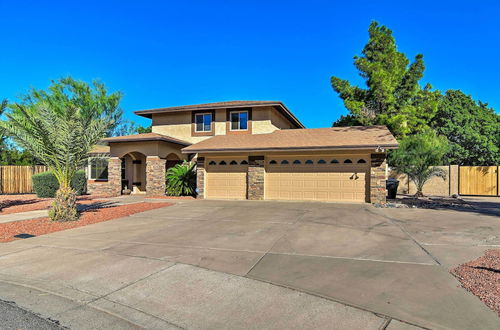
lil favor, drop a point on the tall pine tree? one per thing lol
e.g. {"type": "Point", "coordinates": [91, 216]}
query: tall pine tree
{"type": "Point", "coordinates": [393, 96]}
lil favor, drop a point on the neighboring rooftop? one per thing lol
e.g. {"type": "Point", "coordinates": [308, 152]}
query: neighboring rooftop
{"type": "Point", "coordinates": [145, 137]}
{"type": "Point", "coordinates": [354, 137]}
{"type": "Point", "coordinates": [100, 149]}
{"type": "Point", "coordinates": [224, 105]}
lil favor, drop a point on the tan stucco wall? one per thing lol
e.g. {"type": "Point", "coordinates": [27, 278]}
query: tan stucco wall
{"type": "Point", "coordinates": [178, 124]}
{"type": "Point", "coordinates": [220, 122]}
{"type": "Point", "coordinates": [147, 148]}
{"type": "Point", "coordinates": [434, 187]}
{"type": "Point", "coordinates": [279, 121]}
{"type": "Point", "coordinates": [453, 173]}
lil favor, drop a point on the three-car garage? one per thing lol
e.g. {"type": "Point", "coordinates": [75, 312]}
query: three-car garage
{"type": "Point", "coordinates": [334, 177]}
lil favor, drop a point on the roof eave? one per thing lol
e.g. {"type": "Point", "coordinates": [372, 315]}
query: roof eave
{"type": "Point", "coordinates": [147, 140]}
{"type": "Point", "coordinates": [288, 113]}
{"type": "Point", "coordinates": [272, 149]}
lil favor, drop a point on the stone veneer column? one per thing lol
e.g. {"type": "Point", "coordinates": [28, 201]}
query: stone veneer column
{"type": "Point", "coordinates": [255, 178]}
{"type": "Point", "coordinates": [378, 191]}
{"type": "Point", "coordinates": [155, 176]}
{"type": "Point", "coordinates": [115, 176]}
{"type": "Point", "coordinates": [200, 177]}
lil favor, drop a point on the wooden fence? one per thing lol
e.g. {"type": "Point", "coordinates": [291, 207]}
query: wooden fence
{"type": "Point", "coordinates": [17, 179]}
{"type": "Point", "coordinates": [479, 180]}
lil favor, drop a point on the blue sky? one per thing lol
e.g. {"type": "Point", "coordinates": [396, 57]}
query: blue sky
{"type": "Point", "coordinates": [166, 53]}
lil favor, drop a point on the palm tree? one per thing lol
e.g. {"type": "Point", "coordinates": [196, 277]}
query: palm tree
{"type": "Point", "coordinates": [418, 156]}
{"type": "Point", "coordinates": [59, 128]}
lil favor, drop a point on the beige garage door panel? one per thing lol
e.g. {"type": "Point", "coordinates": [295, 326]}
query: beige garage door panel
{"type": "Point", "coordinates": [319, 182]}
{"type": "Point", "coordinates": [226, 181]}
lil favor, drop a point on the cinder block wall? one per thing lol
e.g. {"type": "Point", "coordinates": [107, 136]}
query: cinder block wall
{"type": "Point", "coordinates": [434, 187]}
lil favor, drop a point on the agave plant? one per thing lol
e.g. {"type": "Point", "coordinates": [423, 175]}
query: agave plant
{"type": "Point", "coordinates": [181, 180]}
{"type": "Point", "coordinates": [59, 128]}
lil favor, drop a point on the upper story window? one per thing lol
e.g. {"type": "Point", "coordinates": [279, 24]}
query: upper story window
{"type": "Point", "coordinates": [203, 122]}
{"type": "Point", "coordinates": [239, 120]}
{"type": "Point", "coordinates": [98, 168]}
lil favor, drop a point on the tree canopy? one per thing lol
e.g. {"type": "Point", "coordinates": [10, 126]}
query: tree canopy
{"type": "Point", "coordinates": [472, 128]}
{"type": "Point", "coordinates": [59, 127]}
{"type": "Point", "coordinates": [129, 127]}
{"type": "Point", "coordinates": [93, 100]}
{"type": "Point", "coordinates": [393, 96]}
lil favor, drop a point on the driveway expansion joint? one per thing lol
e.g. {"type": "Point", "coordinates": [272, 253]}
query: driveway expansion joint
{"type": "Point", "coordinates": [339, 301]}
{"type": "Point", "coordinates": [299, 218]}
{"type": "Point", "coordinates": [395, 222]}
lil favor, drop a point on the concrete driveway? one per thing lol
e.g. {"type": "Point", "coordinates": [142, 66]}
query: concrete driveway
{"type": "Point", "coordinates": [228, 264]}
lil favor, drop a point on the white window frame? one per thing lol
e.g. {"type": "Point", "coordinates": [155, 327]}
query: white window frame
{"type": "Point", "coordinates": [196, 123]}
{"type": "Point", "coordinates": [89, 170]}
{"type": "Point", "coordinates": [239, 122]}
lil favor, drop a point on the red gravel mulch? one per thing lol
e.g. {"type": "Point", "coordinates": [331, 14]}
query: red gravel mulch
{"type": "Point", "coordinates": [482, 278]}
{"type": "Point", "coordinates": [96, 212]}
{"type": "Point", "coordinates": [23, 203]}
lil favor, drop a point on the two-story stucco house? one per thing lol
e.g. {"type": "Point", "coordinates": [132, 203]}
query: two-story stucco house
{"type": "Point", "coordinates": [248, 150]}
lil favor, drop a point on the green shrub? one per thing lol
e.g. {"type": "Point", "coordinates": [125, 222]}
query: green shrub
{"type": "Point", "coordinates": [79, 183]}
{"type": "Point", "coordinates": [45, 184]}
{"type": "Point", "coordinates": [181, 180]}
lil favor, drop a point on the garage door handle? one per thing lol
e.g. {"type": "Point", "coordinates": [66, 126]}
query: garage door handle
{"type": "Point", "coordinates": [354, 176]}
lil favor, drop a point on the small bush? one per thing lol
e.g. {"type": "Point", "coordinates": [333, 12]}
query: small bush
{"type": "Point", "coordinates": [45, 184]}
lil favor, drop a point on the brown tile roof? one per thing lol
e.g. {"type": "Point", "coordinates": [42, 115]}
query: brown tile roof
{"type": "Point", "coordinates": [222, 105]}
{"type": "Point", "coordinates": [99, 149]}
{"type": "Point", "coordinates": [354, 137]}
{"type": "Point", "coordinates": [145, 137]}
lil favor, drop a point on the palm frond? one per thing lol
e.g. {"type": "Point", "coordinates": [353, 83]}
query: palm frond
{"type": "Point", "coordinates": [181, 180]}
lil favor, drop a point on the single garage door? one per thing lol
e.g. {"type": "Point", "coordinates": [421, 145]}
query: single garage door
{"type": "Point", "coordinates": [340, 179]}
{"type": "Point", "coordinates": [226, 178]}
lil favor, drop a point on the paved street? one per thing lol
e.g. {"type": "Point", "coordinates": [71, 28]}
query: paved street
{"type": "Point", "coordinates": [14, 318]}
{"type": "Point", "coordinates": [226, 264]}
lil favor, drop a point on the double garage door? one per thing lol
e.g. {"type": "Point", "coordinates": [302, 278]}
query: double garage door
{"type": "Point", "coordinates": [342, 179]}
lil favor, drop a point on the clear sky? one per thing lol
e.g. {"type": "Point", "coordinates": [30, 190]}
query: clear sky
{"type": "Point", "coordinates": [168, 53]}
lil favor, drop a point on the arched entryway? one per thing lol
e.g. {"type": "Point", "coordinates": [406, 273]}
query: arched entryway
{"type": "Point", "coordinates": [172, 160]}
{"type": "Point", "coordinates": [134, 172]}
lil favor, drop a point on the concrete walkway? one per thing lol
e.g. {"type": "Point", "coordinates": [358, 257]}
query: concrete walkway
{"type": "Point", "coordinates": [216, 264]}
{"type": "Point", "coordinates": [23, 216]}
